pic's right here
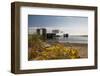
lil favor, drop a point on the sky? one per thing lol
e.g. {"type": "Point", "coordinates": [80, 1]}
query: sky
{"type": "Point", "coordinates": [74, 25]}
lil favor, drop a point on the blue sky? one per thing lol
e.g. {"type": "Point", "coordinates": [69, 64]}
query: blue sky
{"type": "Point", "coordinates": [68, 24]}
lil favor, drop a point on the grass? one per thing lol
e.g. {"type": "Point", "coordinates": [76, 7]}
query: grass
{"type": "Point", "coordinates": [39, 51]}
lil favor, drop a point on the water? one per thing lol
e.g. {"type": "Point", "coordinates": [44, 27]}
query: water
{"type": "Point", "coordinates": [72, 39]}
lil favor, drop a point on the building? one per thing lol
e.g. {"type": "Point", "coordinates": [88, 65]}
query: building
{"type": "Point", "coordinates": [65, 35]}
{"type": "Point", "coordinates": [52, 35]}
{"type": "Point", "coordinates": [42, 32]}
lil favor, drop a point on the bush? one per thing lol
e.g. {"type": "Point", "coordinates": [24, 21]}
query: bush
{"type": "Point", "coordinates": [57, 51]}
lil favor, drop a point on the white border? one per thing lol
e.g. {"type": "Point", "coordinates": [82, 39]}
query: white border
{"type": "Point", "coordinates": [25, 64]}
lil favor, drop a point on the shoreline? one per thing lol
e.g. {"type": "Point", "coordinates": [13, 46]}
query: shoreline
{"type": "Point", "coordinates": [77, 44]}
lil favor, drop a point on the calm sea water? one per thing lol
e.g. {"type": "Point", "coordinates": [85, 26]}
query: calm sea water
{"type": "Point", "coordinates": [72, 39]}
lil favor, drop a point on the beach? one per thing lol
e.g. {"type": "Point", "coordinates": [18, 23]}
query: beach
{"type": "Point", "coordinates": [83, 47]}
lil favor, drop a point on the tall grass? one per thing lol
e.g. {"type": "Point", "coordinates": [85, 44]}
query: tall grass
{"type": "Point", "coordinates": [38, 50]}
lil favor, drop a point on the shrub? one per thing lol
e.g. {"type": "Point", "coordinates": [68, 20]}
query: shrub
{"type": "Point", "coordinates": [39, 51]}
{"type": "Point", "coordinates": [58, 51]}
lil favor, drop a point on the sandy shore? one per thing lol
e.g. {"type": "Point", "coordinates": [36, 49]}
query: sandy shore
{"type": "Point", "coordinates": [83, 53]}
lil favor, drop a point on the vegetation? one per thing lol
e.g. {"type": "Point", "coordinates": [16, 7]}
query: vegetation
{"type": "Point", "coordinates": [39, 51]}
